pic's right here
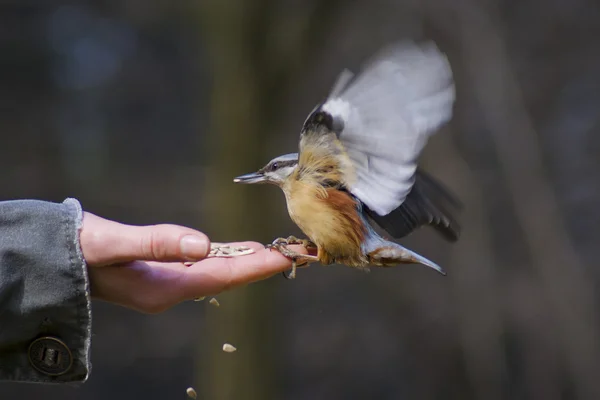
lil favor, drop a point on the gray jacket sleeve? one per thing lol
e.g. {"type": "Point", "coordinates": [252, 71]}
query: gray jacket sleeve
{"type": "Point", "coordinates": [45, 314]}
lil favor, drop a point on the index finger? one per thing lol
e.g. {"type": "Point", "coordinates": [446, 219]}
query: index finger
{"type": "Point", "coordinates": [214, 275]}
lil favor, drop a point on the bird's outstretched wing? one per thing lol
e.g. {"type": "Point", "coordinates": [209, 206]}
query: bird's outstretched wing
{"type": "Point", "coordinates": [376, 124]}
{"type": "Point", "coordinates": [383, 118]}
{"type": "Point", "coordinates": [428, 203]}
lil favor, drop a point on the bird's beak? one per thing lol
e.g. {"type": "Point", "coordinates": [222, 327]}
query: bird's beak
{"type": "Point", "coordinates": [254, 177]}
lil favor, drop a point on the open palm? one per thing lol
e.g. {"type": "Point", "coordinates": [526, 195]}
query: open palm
{"type": "Point", "coordinates": [142, 267]}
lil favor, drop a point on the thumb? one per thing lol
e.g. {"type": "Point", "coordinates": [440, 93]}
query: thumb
{"type": "Point", "coordinates": [105, 242]}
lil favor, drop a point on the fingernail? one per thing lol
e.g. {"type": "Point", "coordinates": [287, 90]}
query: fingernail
{"type": "Point", "coordinates": [193, 247]}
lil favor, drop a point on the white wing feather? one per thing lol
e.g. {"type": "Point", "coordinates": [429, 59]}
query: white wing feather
{"type": "Point", "coordinates": [389, 111]}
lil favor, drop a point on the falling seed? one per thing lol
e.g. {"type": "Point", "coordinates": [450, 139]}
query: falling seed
{"type": "Point", "coordinates": [191, 393]}
{"type": "Point", "coordinates": [228, 348]}
{"type": "Point", "coordinates": [199, 298]}
{"type": "Point", "coordinates": [214, 302]}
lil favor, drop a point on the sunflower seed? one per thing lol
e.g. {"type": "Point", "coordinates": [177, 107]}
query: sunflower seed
{"type": "Point", "coordinates": [191, 393]}
{"type": "Point", "coordinates": [223, 250]}
{"type": "Point", "coordinates": [228, 348]}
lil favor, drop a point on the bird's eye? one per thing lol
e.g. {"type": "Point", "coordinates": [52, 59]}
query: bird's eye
{"type": "Point", "coordinates": [274, 166]}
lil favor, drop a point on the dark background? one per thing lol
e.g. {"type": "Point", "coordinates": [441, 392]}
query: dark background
{"type": "Point", "coordinates": [144, 110]}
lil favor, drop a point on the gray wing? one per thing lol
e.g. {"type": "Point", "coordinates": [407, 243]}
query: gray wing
{"type": "Point", "coordinates": [386, 115]}
{"type": "Point", "coordinates": [428, 203]}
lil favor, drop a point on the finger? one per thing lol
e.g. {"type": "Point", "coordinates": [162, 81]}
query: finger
{"type": "Point", "coordinates": [214, 275]}
{"type": "Point", "coordinates": [107, 242]}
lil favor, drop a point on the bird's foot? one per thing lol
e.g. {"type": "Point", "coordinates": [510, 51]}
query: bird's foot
{"type": "Point", "coordinates": [298, 259]}
{"type": "Point", "coordinates": [294, 240]}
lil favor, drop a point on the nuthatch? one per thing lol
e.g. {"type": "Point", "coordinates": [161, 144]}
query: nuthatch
{"type": "Point", "coordinates": [357, 162]}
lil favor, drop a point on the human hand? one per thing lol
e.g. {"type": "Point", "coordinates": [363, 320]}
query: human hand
{"type": "Point", "coordinates": [142, 267]}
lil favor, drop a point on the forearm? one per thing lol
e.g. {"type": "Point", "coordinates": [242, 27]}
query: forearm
{"type": "Point", "coordinates": [44, 293]}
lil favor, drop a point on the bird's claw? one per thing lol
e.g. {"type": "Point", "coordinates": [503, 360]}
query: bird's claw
{"type": "Point", "coordinates": [292, 274]}
{"type": "Point", "coordinates": [294, 240]}
{"type": "Point", "coordinates": [283, 249]}
{"type": "Point", "coordinates": [280, 244]}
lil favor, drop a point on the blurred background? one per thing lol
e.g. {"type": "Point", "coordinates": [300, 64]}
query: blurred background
{"type": "Point", "coordinates": [145, 110]}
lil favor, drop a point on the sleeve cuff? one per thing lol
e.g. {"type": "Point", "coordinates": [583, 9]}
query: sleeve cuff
{"type": "Point", "coordinates": [45, 323]}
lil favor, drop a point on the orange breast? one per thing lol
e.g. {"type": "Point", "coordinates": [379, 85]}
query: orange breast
{"type": "Point", "coordinates": [330, 219]}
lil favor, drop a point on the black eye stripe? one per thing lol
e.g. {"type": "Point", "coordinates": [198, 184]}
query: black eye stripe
{"type": "Point", "coordinates": [282, 164]}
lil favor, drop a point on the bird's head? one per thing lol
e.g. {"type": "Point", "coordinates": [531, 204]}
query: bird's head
{"type": "Point", "coordinates": [275, 172]}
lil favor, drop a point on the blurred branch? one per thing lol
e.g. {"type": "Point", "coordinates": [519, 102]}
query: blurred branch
{"type": "Point", "coordinates": [232, 33]}
{"type": "Point", "coordinates": [480, 323]}
{"type": "Point", "coordinates": [246, 97]}
{"type": "Point", "coordinates": [301, 52]}
{"type": "Point", "coordinates": [568, 289]}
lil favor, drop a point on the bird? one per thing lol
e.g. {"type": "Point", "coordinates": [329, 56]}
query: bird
{"type": "Point", "coordinates": [357, 163]}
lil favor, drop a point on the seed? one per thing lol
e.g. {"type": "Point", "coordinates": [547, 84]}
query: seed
{"type": "Point", "coordinates": [228, 348]}
{"type": "Point", "coordinates": [214, 302]}
{"type": "Point", "coordinates": [191, 393]}
{"type": "Point", "coordinates": [199, 298]}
